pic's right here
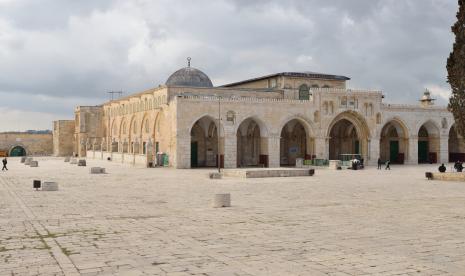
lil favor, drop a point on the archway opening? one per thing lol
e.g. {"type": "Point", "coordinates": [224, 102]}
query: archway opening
{"type": "Point", "coordinates": [294, 143]}
{"type": "Point", "coordinates": [393, 143]}
{"type": "Point", "coordinates": [428, 143]}
{"type": "Point", "coordinates": [204, 144]}
{"type": "Point", "coordinates": [17, 151]}
{"type": "Point", "coordinates": [456, 146]}
{"type": "Point", "coordinates": [250, 145]}
{"type": "Point", "coordinates": [344, 139]}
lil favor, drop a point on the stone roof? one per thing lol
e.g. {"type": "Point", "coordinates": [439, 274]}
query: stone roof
{"type": "Point", "coordinates": [312, 75]}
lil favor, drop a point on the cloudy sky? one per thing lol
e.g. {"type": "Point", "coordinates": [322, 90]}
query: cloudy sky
{"type": "Point", "coordinates": [56, 54]}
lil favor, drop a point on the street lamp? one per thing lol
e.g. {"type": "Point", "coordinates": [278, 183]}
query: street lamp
{"type": "Point", "coordinates": [218, 135]}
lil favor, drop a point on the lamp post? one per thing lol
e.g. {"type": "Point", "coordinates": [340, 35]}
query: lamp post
{"type": "Point", "coordinates": [219, 132]}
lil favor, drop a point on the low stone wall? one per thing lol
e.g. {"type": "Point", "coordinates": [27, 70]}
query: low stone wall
{"type": "Point", "coordinates": [128, 158]}
{"type": "Point", "coordinates": [266, 173]}
{"type": "Point", "coordinates": [449, 176]}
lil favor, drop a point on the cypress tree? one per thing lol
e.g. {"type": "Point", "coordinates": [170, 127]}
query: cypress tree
{"type": "Point", "coordinates": [456, 71]}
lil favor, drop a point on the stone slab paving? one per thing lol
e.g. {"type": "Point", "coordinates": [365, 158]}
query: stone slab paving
{"type": "Point", "coordinates": [137, 221]}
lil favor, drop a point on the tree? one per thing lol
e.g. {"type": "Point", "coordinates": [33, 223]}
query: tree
{"type": "Point", "coordinates": [456, 71]}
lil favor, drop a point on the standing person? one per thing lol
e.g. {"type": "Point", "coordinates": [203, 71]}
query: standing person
{"type": "Point", "coordinates": [388, 165]}
{"type": "Point", "coordinates": [379, 163]}
{"type": "Point", "coordinates": [4, 161]}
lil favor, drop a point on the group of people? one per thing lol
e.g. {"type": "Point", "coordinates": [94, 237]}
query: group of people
{"type": "Point", "coordinates": [458, 166]}
{"type": "Point", "coordinates": [387, 163]}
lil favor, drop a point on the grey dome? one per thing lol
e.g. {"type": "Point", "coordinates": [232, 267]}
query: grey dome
{"type": "Point", "coordinates": [189, 77]}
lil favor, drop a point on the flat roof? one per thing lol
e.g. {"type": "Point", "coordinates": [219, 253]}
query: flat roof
{"type": "Point", "coordinates": [312, 75]}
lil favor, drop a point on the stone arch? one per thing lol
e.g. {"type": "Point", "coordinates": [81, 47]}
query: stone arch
{"type": "Point", "coordinates": [306, 122]}
{"type": "Point", "coordinates": [264, 127]}
{"type": "Point", "coordinates": [348, 133]}
{"type": "Point", "coordinates": [210, 117]}
{"type": "Point", "coordinates": [206, 147]}
{"type": "Point", "coordinates": [252, 143]}
{"type": "Point", "coordinates": [428, 142]}
{"type": "Point", "coordinates": [296, 141]}
{"type": "Point", "coordinates": [17, 150]}
{"type": "Point", "coordinates": [456, 145]}
{"type": "Point", "coordinates": [393, 143]}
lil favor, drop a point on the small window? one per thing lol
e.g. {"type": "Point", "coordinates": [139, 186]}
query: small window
{"type": "Point", "coordinates": [315, 86]}
{"type": "Point", "coordinates": [304, 93]}
{"type": "Point", "coordinates": [272, 83]}
{"type": "Point", "coordinates": [326, 86]}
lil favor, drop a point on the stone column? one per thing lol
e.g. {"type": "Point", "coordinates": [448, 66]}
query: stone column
{"type": "Point", "coordinates": [374, 154]}
{"type": "Point", "coordinates": [182, 150]}
{"type": "Point", "coordinates": [412, 150]}
{"type": "Point", "coordinates": [274, 151]}
{"type": "Point", "coordinates": [322, 147]}
{"type": "Point", "coordinates": [230, 148]}
{"type": "Point", "coordinates": [443, 149]}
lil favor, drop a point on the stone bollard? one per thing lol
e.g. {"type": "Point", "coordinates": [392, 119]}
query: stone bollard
{"type": "Point", "coordinates": [50, 186]}
{"type": "Point", "coordinates": [81, 163]}
{"type": "Point", "coordinates": [222, 200]}
{"type": "Point", "coordinates": [67, 159]}
{"type": "Point", "coordinates": [23, 159]}
{"type": "Point", "coordinates": [215, 175]}
{"type": "Point", "coordinates": [97, 170]}
{"type": "Point", "coordinates": [73, 161]}
{"type": "Point", "coordinates": [334, 164]}
{"type": "Point", "coordinates": [34, 163]}
{"type": "Point", "coordinates": [299, 162]}
{"type": "Point", "coordinates": [28, 160]}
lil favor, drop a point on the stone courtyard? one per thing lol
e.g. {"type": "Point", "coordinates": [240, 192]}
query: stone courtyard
{"type": "Point", "coordinates": [137, 221]}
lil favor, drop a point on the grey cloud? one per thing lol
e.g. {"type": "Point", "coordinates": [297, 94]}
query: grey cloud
{"type": "Point", "coordinates": [82, 49]}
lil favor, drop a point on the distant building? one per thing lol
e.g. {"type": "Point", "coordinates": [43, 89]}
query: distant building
{"type": "Point", "coordinates": [267, 121]}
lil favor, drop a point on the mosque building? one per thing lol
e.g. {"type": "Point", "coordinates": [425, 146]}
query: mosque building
{"type": "Point", "coordinates": [268, 121]}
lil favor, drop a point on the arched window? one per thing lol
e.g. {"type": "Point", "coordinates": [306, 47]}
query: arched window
{"type": "Point", "coordinates": [304, 93]}
{"type": "Point", "coordinates": [147, 126]}
{"type": "Point", "coordinates": [134, 127]}
{"type": "Point", "coordinates": [326, 86]}
{"type": "Point", "coordinates": [315, 86]}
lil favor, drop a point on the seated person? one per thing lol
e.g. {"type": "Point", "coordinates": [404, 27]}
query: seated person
{"type": "Point", "coordinates": [442, 168]}
{"type": "Point", "coordinates": [459, 167]}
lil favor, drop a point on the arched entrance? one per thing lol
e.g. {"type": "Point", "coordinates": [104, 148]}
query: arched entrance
{"type": "Point", "coordinates": [204, 144]}
{"type": "Point", "coordinates": [428, 143]}
{"type": "Point", "coordinates": [393, 142]}
{"type": "Point", "coordinates": [348, 134]}
{"type": "Point", "coordinates": [456, 146]}
{"type": "Point", "coordinates": [294, 143]}
{"type": "Point", "coordinates": [17, 151]}
{"type": "Point", "coordinates": [250, 145]}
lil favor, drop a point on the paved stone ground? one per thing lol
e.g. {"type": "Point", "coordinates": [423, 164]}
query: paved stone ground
{"type": "Point", "coordinates": [135, 221]}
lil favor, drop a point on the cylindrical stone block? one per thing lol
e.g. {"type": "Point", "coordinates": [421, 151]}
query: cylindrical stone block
{"type": "Point", "coordinates": [23, 159]}
{"type": "Point", "coordinates": [34, 163]}
{"type": "Point", "coordinates": [27, 162]}
{"type": "Point", "coordinates": [82, 163]}
{"type": "Point", "coordinates": [67, 159]}
{"type": "Point", "coordinates": [222, 200]}
{"type": "Point", "coordinates": [50, 186]}
{"type": "Point", "coordinates": [97, 170]}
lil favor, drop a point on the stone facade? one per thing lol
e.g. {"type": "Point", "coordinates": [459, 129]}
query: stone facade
{"type": "Point", "coordinates": [89, 128]}
{"type": "Point", "coordinates": [23, 143]}
{"type": "Point", "coordinates": [268, 121]}
{"type": "Point", "coordinates": [63, 137]}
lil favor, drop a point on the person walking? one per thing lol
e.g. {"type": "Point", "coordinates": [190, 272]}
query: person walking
{"type": "Point", "coordinates": [380, 163]}
{"type": "Point", "coordinates": [388, 165]}
{"type": "Point", "coordinates": [4, 161]}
